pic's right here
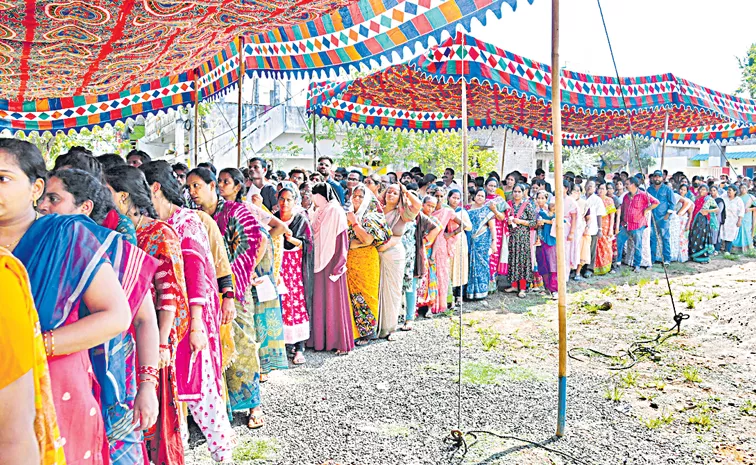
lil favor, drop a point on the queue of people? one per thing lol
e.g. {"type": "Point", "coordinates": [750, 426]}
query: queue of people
{"type": "Point", "coordinates": [143, 293]}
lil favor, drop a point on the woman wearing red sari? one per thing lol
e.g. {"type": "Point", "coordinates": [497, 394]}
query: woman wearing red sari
{"type": "Point", "coordinates": [204, 388]}
{"type": "Point", "coordinates": [604, 249]}
{"type": "Point", "coordinates": [500, 256]}
{"type": "Point", "coordinates": [131, 196]}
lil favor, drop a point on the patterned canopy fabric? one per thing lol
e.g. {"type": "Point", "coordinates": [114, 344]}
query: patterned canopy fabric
{"type": "Point", "coordinates": [507, 90]}
{"type": "Point", "coordinates": [69, 64]}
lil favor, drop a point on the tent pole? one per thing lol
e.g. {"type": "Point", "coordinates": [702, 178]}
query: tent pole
{"type": "Point", "coordinates": [504, 151]}
{"type": "Point", "coordinates": [240, 107]}
{"type": "Point", "coordinates": [465, 193]}
{"type": "Point", "coordinates": [314, 143]}
{"type": "Point", "coordinates": [556, 118]}
{"type": "Point", "coordinates": [195, 125]}
{"type": "Point", "coordinates": [664, 141]}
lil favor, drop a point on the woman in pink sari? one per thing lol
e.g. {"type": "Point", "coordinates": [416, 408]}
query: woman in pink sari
{"type": "Point", "coordinates": [443, 248]}
{"type": "Point", "coordinates": [201, 385]}
{"type": "Point", "coordinates": [499, 256]}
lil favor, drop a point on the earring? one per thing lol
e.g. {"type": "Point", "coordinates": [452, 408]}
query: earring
{"type": "Point", "coordinates": [35, 203]}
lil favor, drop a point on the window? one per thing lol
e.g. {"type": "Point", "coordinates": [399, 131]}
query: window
{"type": "Point", "coordinates": [748, 171]}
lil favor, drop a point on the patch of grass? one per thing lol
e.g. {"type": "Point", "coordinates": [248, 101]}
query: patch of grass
{"type": "Point", "coordinates": [751, 253]}
{"type": "Point", "coordinates": [702, 421]}
{"type": "Point", "coordinates": [730, 256]}
{"type": "Point", "coordinates": [609, 290]}
{"type": "Point", "coordinates": [714, 295]}
{"type": "Point", "coordinates": [641, 284]}
{"type": "Point", "coordinates": [526, 342]}
{"type": "Point", "coordinates": [483, 373]}
{"type": "Point", "coordinates": [256, 449]}
{"type": "Point", "coordinates": [649, 396]}
{"type": "Point", "coordinates": [748, 408]}
{"type": "Point", "coordinates": [656, 282]}
{"type": "Point", "coordinates": [591, 308]}
{"type": "Point", "coordinates": [691, 375]}
{"type": "Point", "coordinates": [471, 322]}
{"type": "Point", "coordinates": [454, 330]}
{"type": "Point", "coordinates": [614, 394]}
{"type": "Point", "coordinates": [629, 379]}
{"type": "Point", "coordinates": [655, 423]}
{"type": "Point", "coordinates": [690, 298]}
{"type": "Point", "coordinates": [587, 321]}
{"type": "Point", "coordinates": [448, 313]}
{"type": "Point", "coordinates": [490, 338]}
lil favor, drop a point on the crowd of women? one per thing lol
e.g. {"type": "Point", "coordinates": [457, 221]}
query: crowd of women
{"type": "Point", "coordinates": [139, 294]}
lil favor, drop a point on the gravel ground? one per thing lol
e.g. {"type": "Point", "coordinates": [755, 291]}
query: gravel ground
{"type": "Point", "coordinates": [395, 402]}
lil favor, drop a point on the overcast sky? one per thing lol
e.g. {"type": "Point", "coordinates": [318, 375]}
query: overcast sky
{"type": "Point", "coordinates": [695, 39]}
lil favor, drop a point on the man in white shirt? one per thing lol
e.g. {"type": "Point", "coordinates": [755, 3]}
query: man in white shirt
{"type": "Point", "coordinates": [449, 181]}
{"type": "Point", "coordinates": [598, 210]}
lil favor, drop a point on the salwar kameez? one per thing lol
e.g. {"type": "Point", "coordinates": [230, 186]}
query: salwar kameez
{"type": "Point", "coordinates": [331, 316]}
{"type": "Point", "coordinates": [297, 277]}
{"type": "Point", "coordinates": [745, 233]}
{"type": "Point", "coordinates": [499, 260]}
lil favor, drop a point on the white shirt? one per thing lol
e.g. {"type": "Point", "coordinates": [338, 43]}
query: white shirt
{"type": "Point", "coordinates": [597, 208]}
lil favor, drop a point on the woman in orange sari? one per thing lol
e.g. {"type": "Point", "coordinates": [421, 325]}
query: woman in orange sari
{"type": "Point", "coordinates": [604, 247]}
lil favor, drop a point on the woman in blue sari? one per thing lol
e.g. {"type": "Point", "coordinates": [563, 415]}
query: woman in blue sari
{"type": "Point", "coordinates": [483, 243]}
{"type": "Point", "coordinates": [76, 270]}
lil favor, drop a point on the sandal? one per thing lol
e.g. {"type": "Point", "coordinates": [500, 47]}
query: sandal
{"type": "Point", "coordinates": [521, 294]}
{"type": "Point", "coordinates": [255, 419]}
{"type": "Point", "coordinates": [341, 352]}
{"type": "Point", "coordinates": [362, 342]}
{"type": "Point", "coordinates": [263, 379]}
{"type": "Point", "coordinates": [407, 326]}
{"type": "Point", "coordinates": [511, 289]}
{"type": "Point", "coordinates": [299, 359]}
{"type": "Point", "coordinates": [391, 337]}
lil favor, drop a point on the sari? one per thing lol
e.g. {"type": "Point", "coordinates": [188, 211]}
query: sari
{"type": "Point", "coordinates": [520, 256]}
{"type": "Point", "coordinates": [604, 252]}
{"type": "Point", "coordinates": [24, 350]}
{"type": "Point", "coordinates": [297, 276]}
{"type": "Point", "coordinates": [460, 257]}
{"type": "Point", "coordinates": [443, 250]}
{"type": "Point", "coordinates": [242, 235]}
{"type": "Point", "coordinates": [267, 319]}
{"type": "Point", "coordinates": [480, 253]}
{"type": "Point", "coordinates": [745, 234]}
{"type": "Point", "coordinates": [700, 246]}
{"type": "Point", "coordinates": [204, 387]}
{"type": "Point", "coordinates": [572, 247]}
{"type": "Point", "coordinates": [364, 268]}
{"type": "Point", "coordinates": [427, 287]}
{"type": "Point", "coordinates": [393, 265]}
{"type": "Point", "coordinates": [499, 260]}
{"type": "Point", "coordinates": [76, 379]}
{"type": "Point", "coordinates": [160, 241]}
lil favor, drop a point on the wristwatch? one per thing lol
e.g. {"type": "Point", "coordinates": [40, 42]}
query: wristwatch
{"type": "Point", "coordinates": [228, 295]}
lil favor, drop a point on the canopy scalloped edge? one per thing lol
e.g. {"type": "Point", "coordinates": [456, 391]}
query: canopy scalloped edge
{"type": "Point", "coordinates": [273, 55]}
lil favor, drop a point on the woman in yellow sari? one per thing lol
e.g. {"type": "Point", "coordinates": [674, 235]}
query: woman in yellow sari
{"type": "Point", "coordinates": [24, 367]}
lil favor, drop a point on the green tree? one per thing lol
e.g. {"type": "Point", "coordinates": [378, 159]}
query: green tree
{"type": "Point", "coordinates": [747, 66]}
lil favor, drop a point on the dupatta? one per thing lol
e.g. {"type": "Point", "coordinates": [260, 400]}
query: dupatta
{"type": "Point", "coordinates": [72, 248]}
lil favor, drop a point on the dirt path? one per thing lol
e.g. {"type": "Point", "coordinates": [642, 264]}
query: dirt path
{"type": "Point", "coordinates": [691, 400]}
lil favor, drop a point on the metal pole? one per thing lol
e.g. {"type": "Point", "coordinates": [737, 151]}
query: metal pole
{"type": "Point", "coordinates": [195, 123]}
{"type": "Point", "coordinates": [314, 143]}
{"type": "Point", "coordinates": [664, 141]}
{"type": "Point", "coordinates": [240, 104]}
{"type": "Point", "coordinates": [504, 152]}
{"type": "Point", "coordinates": [556, 118]}
{"type": "Point", "coordinates": [465, 193]}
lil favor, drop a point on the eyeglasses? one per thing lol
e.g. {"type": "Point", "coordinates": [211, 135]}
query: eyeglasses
{"type": "Point", "coordinates": [353, 179]}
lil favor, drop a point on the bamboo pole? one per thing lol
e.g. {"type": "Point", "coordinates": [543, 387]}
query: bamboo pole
{"type": "Point", "coordinates": [195, 123]}
{"type": "Point", "coordinates": [504, 152]}
{"type": "Point", "coordinates": [465, 193]}
{"type": "Point", "coordinates": [556, 117]}
{"type": "Point", "coordinates": [240, 108]}
{"type": "Point", "coordinates": [664, 140]}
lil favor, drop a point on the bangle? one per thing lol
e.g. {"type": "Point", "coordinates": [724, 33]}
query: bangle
{"type": "Point", "coordinates": [148, 371]}
{"type": "Point", "coordinates": [197, 331]}
{"type": "Point", "coordinates": [165, 347]}
{"type": "Point", "coordinates": [49, 340]}
{"type": "Point", "coordinates": [149, 381]}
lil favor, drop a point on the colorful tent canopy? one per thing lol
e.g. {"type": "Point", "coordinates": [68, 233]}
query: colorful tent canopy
{"type": "Point", "coordinates": [69, 64]}
{"type": "Point", "coordinates": [507, 90]}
